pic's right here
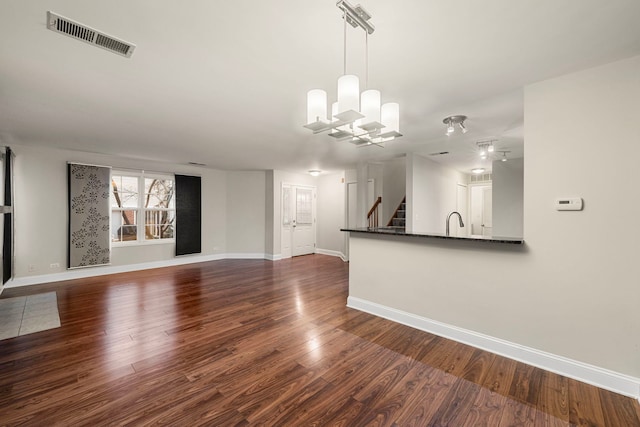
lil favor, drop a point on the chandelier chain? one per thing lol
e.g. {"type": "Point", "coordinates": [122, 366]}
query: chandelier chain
{"type": "Point", "coordinates": [366, 60]}
{"type": "Point", "coordinates": [344, 62]}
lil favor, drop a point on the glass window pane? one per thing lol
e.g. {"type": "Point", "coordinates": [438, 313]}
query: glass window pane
{"type": "Point", "coordinates": [286, 206]}
{"type": "Point", "coordinates": [123, 226]}
{"type": "Point", "coordinates": [304, 198]}
{"type": "Point", "coordinates": [159, 224]}
{"type": "Point", "coordinates": [124, 191]}
{"type": "Point", "coordinates": [158, 193]}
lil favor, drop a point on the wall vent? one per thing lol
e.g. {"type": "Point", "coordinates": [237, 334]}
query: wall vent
{"type": "Point", "coordinates": [483, 177]}
{"type": "Point", "coordinates": [71, 28]}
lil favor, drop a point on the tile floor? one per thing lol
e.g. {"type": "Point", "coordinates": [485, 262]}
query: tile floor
{"type": "Point", "coordinates": [26, 315]}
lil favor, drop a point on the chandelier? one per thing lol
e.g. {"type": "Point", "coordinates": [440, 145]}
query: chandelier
{"type": "Point", "coordinates": [355, 117]}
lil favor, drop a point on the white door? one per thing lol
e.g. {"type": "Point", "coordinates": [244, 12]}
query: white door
{"type": "Point", "coordinates": [481, 210]}
{"type": "Point", "coordinates": [487, 211]}
{"type": "Point", "coordinates": [286, 234]}
{"type": "Point", "coordinates": [298, 230]}
{"type": "Point", "coordinates": [304, 223]}
{"type": "Point", "coordinates": [462, 200]}
{"type": "Point", "coordinates": [352, 205]}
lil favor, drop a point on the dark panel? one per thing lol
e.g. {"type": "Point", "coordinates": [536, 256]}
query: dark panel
{"type": "Point", "coordinates": [7, 241]}
{"type": "Point", "coordinates": [188, 215]}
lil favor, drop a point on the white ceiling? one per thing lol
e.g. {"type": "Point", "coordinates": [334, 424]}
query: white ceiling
{"type": "Point", "coordinates": [224, 83]}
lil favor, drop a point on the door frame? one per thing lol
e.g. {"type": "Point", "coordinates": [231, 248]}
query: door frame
{"type": "Point", "coordinates": [471, 186]}
{"type": "Point", "coordinates": [284, 231]}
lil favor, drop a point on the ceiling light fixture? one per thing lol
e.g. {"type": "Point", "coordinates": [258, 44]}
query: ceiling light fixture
{"type": "Point", "coordinates": [477, 170]}
{"type": "Point", "coordinates": [486, 148]}
{"type": "Point", "coordinates": [451, 121]}
{"type": "Point", "coordinates": [315, 172]}
{"type": "Point", "coordinates": [357, 118]}
{"type": "Point", "coordinates": [504, 155]}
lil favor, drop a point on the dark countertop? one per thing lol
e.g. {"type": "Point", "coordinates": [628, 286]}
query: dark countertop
{"type": "Point", "coordinates": [400, 232]}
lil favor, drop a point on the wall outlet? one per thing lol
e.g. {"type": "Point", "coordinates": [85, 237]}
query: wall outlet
{"type": "Point", "coordinates": [31, 268]}
{"type": "Point", "coordinates": [54, 265]}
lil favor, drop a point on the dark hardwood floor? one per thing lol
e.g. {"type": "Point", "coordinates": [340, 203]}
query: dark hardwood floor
{"type": "Point", "coordinates": [252, 342]}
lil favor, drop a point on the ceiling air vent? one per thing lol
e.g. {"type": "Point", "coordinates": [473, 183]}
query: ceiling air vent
{"type": "Point", "coordinates": [78, 31]}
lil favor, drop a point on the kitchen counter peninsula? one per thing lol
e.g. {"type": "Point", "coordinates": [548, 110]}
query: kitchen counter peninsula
{"type": "Point", "coordinates": [391, 231]}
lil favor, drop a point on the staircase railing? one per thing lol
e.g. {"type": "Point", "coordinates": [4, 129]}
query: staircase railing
{"type": "Point", "coordinates": [372, 216]}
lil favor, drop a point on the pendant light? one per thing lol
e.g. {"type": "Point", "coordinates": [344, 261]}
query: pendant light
{"type": "Point", "coordinates": [357, 117]}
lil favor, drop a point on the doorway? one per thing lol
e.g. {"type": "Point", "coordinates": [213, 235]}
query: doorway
{"type": "Point", "coordinates": [298, 232]}
{"type": "Point", "coordinates": [481, 210]}
{"type": "Point", "coordinates": [462, 201]}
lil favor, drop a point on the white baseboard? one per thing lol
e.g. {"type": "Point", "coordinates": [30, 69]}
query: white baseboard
{"type": "Point", "coordinates": [246, 256]}
{"type": "Point", "coordinates": [600, 377]}
{"type": "Point", "coordinates": [332, 253]}
{"type": "Point", "coordinates": [81, 273]}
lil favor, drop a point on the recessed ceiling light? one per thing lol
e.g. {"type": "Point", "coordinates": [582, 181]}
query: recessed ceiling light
{"type": "Point", "coordinates": [477, 170]}
{"type": "Point", "coordinates": [315, 172]}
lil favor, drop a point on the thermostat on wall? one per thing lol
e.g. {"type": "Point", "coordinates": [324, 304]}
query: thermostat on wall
{"type": "Point", "coordinates": [569, 204]}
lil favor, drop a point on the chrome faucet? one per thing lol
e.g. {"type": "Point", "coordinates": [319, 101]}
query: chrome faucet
{"type": "Point", "coordinates": [459, 217]}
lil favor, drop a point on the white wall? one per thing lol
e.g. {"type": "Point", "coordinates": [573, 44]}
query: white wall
{"type": "Point", "coordinates": [573, 291]}
{"type": "Point", "coordinates": [269, 220]}
{"type": "Point", "coordinates": [508, 197]}
{"type": "Point", "coordinates": [331, 213]}
{"type": "Point", "coordinates": [376, 172]}
{"type": "Point", "coordinates": [431, 194]}
{"type": "Point", "coordinates": [41, 209]}
{"type": "Point", "coordinates": [246, 212]}
{"type": "Point", "coordinates": [586, 262]}
{"type": "Point", "coordinates": [393, 187]}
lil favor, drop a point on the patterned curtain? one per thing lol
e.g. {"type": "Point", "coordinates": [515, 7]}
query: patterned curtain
{"type": "Point", "coordinates": [89, 213]}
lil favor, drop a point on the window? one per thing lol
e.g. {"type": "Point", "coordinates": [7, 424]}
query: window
{"type": "Point", "coordinates": [142, 207]}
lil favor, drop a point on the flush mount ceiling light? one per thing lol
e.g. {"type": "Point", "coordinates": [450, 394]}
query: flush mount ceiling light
{"type": "Point", "coordinates": [315, 172]}
{"type": "Point", "coordinates": [451, 123]}
{"type": "Point", "coordinates": [355, 117]}
{"type": "Point", "coordinates": [477, 170]}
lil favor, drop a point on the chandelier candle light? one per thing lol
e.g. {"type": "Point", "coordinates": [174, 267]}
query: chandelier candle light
{"type": "Point", "coordinates": [358, 118]}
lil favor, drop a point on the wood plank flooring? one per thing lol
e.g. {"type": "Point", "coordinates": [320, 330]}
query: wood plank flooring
{"type": "Point", "coordinates": [253, 342]}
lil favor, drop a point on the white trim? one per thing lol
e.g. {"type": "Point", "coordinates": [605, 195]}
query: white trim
{"type": "Point", "coordinates": [600, 377]}
{"type": "Point", "coordinates": [332, 253]}
{"type": "Point", "coordinates": [101, 271]}
{"type": "Point", "coordinates": [245, 256]}
{"type": "Point", "coordinates": [81, 273]}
